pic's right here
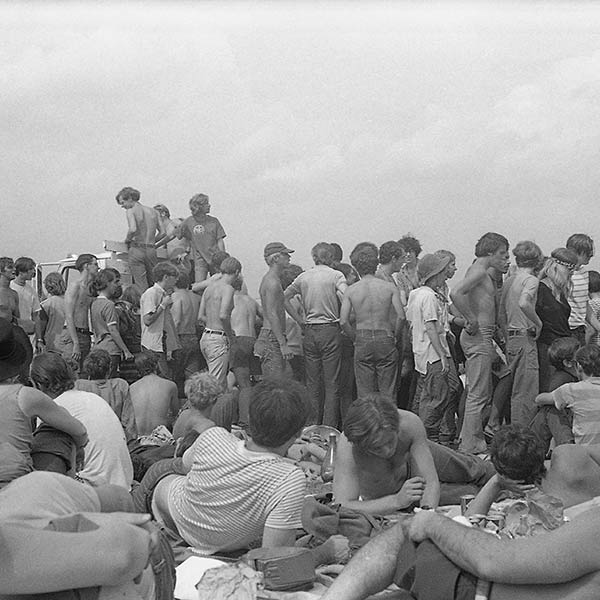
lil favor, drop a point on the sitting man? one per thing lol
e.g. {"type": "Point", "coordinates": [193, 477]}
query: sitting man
{"type": "Point", "coordinates": [560, 564]}
{"type": "Point", "coordinates": [237, 491]}
{"type": "Point", "coordinates": [384, 462]}
{"type": "Point", "coordinates": [106, 459]}
{"type": "Point", "coordinates": [154, 398]}
{"type": "Point", "coordinates": [115, 391]}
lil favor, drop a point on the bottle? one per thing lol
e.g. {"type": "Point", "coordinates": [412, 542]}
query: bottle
{"type": "Point", "coordinates": [329, 460]}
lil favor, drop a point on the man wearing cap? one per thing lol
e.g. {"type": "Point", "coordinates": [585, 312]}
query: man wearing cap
{"type": "Point", "coordinates": [379, 318]}
{"type": "Point", "coordinates": [271, 345]}
{"type": "Point", "coordinates": [205, 234]}
{"type": "Point", "coordinates": [433, 360]}
{"type": "Point", "coordinates": [321, 290]}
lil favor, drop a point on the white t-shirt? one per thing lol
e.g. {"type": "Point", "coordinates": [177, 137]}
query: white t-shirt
{"type": "Point", "coordinates": [152, 335]}
{"type": "Point", "coordinates": [232, 493]}
{"type": "Point", "coordinates": [425, 307]}
{"type": "Point", "coordinates": [106, 459]}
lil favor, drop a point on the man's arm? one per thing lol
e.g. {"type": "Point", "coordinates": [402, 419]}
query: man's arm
{"type": "Point", "coordinates": [527, 301]}
{"type": "Point", "coordinates": [591, 318]}
{"type": "Point", "coordinates": [460, 296]}
{"type": "Point", "coordinates": [346, 489]}
{"type": "Point", "coordinates": [177, 312]}
{"type": "Point", "coordinates": [273, 538]}
{"type": "Point", "coordinates": [225, 310]}
{"type": "Point", "coordinates": [545, 398]}
{"type": "Point", "coordinates": [150, 317]}
{"type": "Point", "coordinates": [421, 459]}
{"type": "Point", "coordinates": [114, 553]}
{"type": "Point", "coordinates": [434, 338]}
{"type": "Point", "coordinates": [273, 297]}
{"type": "Point", "coordinates": [400, 314]}
{"type": "Point", "coordinates": [561, 555]}
{"type": "Point", "coordinates": [345, 311]}
{"type": "Point", "coordinates": [70, 301]}
{"type": "Point", "coordinates": [341, 286]}
{"type": "Point", "coordinates": [290, 291]}
{"type": "Point", "coordinates": [34, 403]}
{"type": "Point", "coordinates": [202, 309]}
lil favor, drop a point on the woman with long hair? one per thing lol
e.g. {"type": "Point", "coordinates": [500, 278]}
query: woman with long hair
{"type": "Point", "coordinates": [52, 313]}
{"type": "Point", "coordinates": [130, 328]}
{"type": "Point", "coordinates": [552, 306]}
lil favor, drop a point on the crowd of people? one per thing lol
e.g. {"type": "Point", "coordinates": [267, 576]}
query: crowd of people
{"type": "Point", "coordinates": [418, 376]}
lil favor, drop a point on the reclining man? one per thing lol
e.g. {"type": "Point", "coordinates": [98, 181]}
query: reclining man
{"type": "Point", "coordinates": [384, 462]}
{"type": "Point", "coordinates": [237, 491]}
{"type": "Point", "coordinates": [563, 563]}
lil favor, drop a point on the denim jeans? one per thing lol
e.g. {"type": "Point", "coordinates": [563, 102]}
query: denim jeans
{"type": "Point", "coordinates": [268, 350]}
{"type": "Point", "coordinates": [141, 262]}
{"type": "Point", "coordinates": [347, 377]}
{"type": "Point", "coordinates": [479, 353]}
{"type": "Point", "coordinates": [375, 362]}
{"type": "Point", "coordinates": [549, 422]}
{"type": "Point", "coordinates": [186, 360]}
{"type": "Point", "coordinates": [323, 358]}
{"type": "Point", "coordinates": [215, 348]}
{"type": "Point", "coordinates": [434, 399]}
{"type": "Point", "coordinates": [521, 352]}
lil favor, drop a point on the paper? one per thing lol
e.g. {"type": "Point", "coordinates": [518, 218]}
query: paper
{"type": "Point", "coordinates": [189, 573]}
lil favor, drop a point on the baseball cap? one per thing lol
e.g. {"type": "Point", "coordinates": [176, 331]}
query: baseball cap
{"type": "Point", "coordinates": [275, 247]}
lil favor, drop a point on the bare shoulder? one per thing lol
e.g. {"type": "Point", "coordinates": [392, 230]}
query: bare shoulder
{"type": "Point", "coordinates": [409, 423]}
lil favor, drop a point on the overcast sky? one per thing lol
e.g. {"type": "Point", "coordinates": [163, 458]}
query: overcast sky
{"type": "Point", "coordinates": [302, 122]}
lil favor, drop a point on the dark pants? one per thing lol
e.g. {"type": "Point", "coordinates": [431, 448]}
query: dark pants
{"type": "Point", "coordinates": [186, 360]}
{"type": "Point", "coordinates": [323, 357]}
{"type": "Point", "coordinates": [375, 362]}
{"type": "Point", "coordinates": [549, 422]}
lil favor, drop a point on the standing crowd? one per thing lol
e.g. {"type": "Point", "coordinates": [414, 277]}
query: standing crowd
{"type": "Point", "coordinates": [419, 378]}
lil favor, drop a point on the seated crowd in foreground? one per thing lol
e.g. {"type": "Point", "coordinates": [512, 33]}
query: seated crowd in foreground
{"type": "Point", "coordinates": [199, 428]}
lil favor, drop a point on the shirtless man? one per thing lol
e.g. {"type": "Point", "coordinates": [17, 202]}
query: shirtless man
{"type": "Point", "coordinates": [9, 299]}
{"type": "Point", "coordinates": [382, 469]}
{"type": "Point", "coordinates": [184, 310]}
{"type": "Point", "coordinates": [560, 564]}
{"type": "Point", "coordinates": [142, 226]}
{"type": "Point", "coordinates": [384, 462]}
{"type": "Point", "coordinates": [155, 400]}
{"type": "Point", "coordinates": [475, 299]}
{"type": "Point", "coordinates": [215, 312]}
{"type": "Point", "coordinates": [271, 346]}
{"type": "Point", "coordinates": [379, 318]}
{"type": "Point", "coordinates": [76, 341]}
{"type": "Point", "coordinates": [244, 315]}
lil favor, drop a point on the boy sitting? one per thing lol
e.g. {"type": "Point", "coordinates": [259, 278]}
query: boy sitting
{"type": "Point", "coordinates": [549, 422]}
{"type": "Point", "coordinates": [582, 397]}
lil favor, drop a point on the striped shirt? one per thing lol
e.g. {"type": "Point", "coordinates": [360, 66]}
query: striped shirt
{"type": "Point", "coordinates": [583, 398]}
{"type": "Point", "coordinates": [231, 494]}
{"type": "Point", "coordinates": [595, 306]}
{"type": "Point", "coordinates": [578, 298]}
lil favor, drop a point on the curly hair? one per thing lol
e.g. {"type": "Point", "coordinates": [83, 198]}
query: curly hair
{"type": "Point", "coordinates": [202, 390]}
{"type": "Point", "coordinates": [51, 373]}
{"type": "Point", "coordinates": [517, 453]}
{"type": "Point", "coordinates": [55, 284]}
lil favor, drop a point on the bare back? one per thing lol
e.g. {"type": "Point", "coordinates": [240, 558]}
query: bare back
{"type": "Point", "coordinates": [146, 221]}
{"type": "Point", "coordinates": [218, 304]}
{"type": "Point", "coordinates": [481, 296]}
{"type": "Point", "coordinates": [371, 300]}
{"type": "Point", "coordinates": [243, 315]}
{"type": "Point", "coordinates": [271, 299]}
{"type": "Point", "coordinates": [9, 304]}
{"type": "Point", "coordinates": [154, 402]}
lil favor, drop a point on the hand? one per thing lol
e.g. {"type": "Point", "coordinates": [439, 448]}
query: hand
{"type": "Point", "coordinates": [417, 527]}
{"type": "Point", "coordinates": [445, 365]}
{"type": "Point", "coordinates": [338, 549]}
{"type": "Point", "coordinates": [411, 491]}
{"type": "Point", "coordinates": [76, 353]}
{"type": "Point", "coordinates": [40, 346]}
{"type": "Point", "coordinates": [472, 327]}
{"type": "Point", "coordinates": [407, 367]}
{"type": "Point", "coordinates": [167, 301]}
{"type": "Point", "coordinates": [127, 355]}
{"type": "Point", "coordinates": [285, 351]}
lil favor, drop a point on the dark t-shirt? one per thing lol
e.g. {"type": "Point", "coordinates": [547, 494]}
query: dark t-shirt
{"type": "Point", "coordinates": [554, 315]}
{"type": "Point", "coordinates": [203, 233]}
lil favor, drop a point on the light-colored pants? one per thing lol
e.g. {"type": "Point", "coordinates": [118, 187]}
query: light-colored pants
{"type": "Point", "coordinates": [480, 354]}
{"type": "Point", "coordinates": [215, 348]}
{"type": "Point", "coordinates": [522, 356]}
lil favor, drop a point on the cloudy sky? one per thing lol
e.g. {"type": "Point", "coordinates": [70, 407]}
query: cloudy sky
{"type": "Point", "coordinates": [341, 121]}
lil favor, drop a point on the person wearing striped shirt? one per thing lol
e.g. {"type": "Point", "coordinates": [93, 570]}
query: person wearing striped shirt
{"type": "Point", "coordinates": [582, 315]}
{"type": "Point", "coordinates": [237, 491]}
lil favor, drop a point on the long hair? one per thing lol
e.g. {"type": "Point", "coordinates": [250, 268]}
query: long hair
{"type": "Point", "coordinates": [558, 268]}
